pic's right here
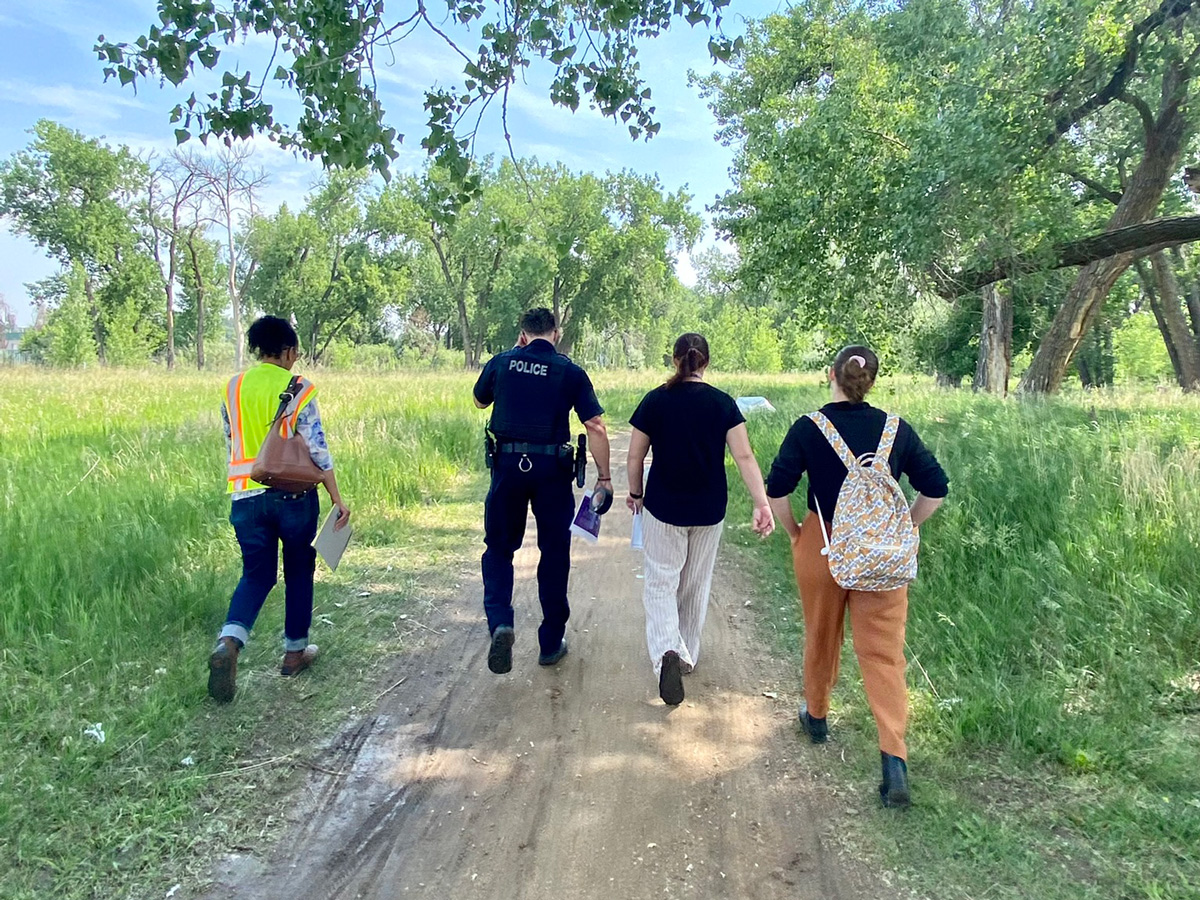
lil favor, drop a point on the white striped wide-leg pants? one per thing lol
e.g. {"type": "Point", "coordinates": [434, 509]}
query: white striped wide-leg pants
{"type": "Point", "coordinates": [679, 564]}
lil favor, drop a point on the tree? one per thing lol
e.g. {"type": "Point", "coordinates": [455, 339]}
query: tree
{"type": "Point", "coordinates": [461, 252]}
{"type": "Point", "coordinates": [73, 196]}
{"type": "Point", "coordinates": [329, 47]}
{"type": "Point", "coordinates": [172, 191]}
{"type": "Point", "coordinates": [231, 183]}
{"type": "Point", "coordinates": [1160, 57]}
{"type": "Point", "coordinates": [324, 266]}
{"type": "Point", "coordinates": [598, 251]}
{"type": "Point", "coordinates": [69, 339]}
{"type": "Point", "coordinates": [202, 273]}
{"type": "Point", "coordinates": [883, 148]}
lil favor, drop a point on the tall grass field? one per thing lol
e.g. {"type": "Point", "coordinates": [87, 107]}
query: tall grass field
{"type": "Point", "coordinates": [1054, 630]}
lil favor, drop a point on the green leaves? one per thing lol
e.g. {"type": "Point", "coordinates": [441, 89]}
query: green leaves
{"type": "Point", "coordinates": [332, 44]}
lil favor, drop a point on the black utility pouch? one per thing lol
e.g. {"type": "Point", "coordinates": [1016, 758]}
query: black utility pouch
{"type": "Point", "coordinates": [580, 460]}
{"type": "Point", "coordinates": [489, 449]}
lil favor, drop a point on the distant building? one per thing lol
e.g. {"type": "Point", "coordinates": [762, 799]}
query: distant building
{"type": "Point", "coordinates": [10, 340]}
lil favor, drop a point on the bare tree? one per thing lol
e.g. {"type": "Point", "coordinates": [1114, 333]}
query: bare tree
{"type": "Point", "coordinates": [231, 182]}
{"type": "Point", "coordinates": [171, 190]}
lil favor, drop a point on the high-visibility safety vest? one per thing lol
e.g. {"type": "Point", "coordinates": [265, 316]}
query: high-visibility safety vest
{"type": "Point", "coordinates": [252, 399]}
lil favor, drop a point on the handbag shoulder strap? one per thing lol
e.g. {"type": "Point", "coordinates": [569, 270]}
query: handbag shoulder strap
{"type": "Point", "coordinates": [287, 398]}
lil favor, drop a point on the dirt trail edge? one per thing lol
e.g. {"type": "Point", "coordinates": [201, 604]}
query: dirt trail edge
{"type": "Point", "coordinates": [568, 782]}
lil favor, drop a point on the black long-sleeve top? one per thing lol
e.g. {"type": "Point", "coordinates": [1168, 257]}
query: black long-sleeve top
{"type": "Point", "coordinates": [861, 426]}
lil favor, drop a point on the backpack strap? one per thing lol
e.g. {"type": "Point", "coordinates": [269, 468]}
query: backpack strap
{"type": "Point", "coordinates": [839, 445]}
{"type": "Point", "coordinates": [887, 439]}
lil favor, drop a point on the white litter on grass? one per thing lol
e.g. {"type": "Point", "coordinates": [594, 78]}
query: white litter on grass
{"type": "Point", "coordinates": [187, 761]}
{"type": "Point", "coordinates": [754, 404]}
{"type": "Point", "coordinates": [173, 891]}
{"type": "Point", "coordinates": [95, 732]}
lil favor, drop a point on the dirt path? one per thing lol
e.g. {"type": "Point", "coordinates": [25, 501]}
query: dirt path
{"type": "Point", "coordinates": [568, 782]}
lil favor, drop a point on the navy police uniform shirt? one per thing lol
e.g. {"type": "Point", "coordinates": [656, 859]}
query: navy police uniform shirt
{"type": "Point", "coordinates": [534, 389]}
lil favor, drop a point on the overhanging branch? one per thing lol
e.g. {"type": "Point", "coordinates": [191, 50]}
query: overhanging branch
{"type": "Point", "coordinates": [1140, 238]}
{"type": "Point", "coordinates": [1168, 10]}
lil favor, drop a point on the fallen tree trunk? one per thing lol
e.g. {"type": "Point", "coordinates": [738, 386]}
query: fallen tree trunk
{"type": "Point", "coordinates": [1142, 239]}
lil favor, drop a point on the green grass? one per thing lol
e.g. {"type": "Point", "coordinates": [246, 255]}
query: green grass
{"type": "Point", "coordinates": [1056, 622]}
{"type": "Point", "coordinates": [1054, 644]}
{"type": "Point", "coordinates": [116, 564]}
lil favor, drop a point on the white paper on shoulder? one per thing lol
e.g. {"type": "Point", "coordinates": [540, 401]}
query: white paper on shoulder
{"type": "Point", "coordinates": [330, 544]}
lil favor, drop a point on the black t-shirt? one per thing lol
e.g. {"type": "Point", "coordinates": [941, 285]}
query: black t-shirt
{"type": "Point", "coordinates": [534, 388]}
{"type": "Point", "coordinates": [687, 425]}
{"type": "Point", "coordinates": [805, 449]}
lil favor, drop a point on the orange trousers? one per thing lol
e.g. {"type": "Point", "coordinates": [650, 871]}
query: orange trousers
{"type": "Point", "coordinates": [877, 625]}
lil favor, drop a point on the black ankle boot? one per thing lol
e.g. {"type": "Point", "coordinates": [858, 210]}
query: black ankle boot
{"type": "Point", "coordinates": [893, 790]}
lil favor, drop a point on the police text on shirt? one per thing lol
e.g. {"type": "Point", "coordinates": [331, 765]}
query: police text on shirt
{"type": "Point", "coordinates": [529, 368]}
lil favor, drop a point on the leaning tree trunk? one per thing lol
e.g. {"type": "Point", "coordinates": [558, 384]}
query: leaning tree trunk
{"type": "Point", "coordinates": [1181, 343]}
{"type": "Point", "coordinates": [1164, 143]}
{"type": "Point", "coordinates": [995, 342]}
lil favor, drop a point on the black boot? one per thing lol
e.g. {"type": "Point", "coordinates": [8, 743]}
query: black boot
{"type": "Point", "coordinates": [893, 790]}
{"type": "Point", "coordinates": [816, 729]}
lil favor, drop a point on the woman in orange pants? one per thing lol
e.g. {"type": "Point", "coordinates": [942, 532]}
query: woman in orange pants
{"type": "Point", "coordinates": [877, 618]}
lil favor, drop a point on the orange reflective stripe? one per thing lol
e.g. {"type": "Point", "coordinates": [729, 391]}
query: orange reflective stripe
{"type": "Point", "coordinates": [237, 436]}
{"type": "Point", "coordinates": [307, 390]}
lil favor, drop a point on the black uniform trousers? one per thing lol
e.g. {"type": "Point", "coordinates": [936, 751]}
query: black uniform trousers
{"type": "Point", "coordinates": [547, 487]}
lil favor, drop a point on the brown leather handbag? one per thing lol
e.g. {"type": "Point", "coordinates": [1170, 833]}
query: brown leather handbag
{"type": "Point", "coordinates": [282, 462]}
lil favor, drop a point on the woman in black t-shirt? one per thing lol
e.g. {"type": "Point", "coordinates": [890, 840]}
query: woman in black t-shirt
{"type": "Point", "coordinates": [688, 424]}
{"type": "Point", "coordinates": [876, 617]}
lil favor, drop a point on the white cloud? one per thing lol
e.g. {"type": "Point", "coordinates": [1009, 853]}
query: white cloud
{"type": "Point", "coordinates": [83, 22]}
{"type": "Point", "coordinates": [85, 105]}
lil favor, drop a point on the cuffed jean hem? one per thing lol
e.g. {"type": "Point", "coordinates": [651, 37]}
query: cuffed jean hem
{"type": "Point", "coordinates": [234, 630]}
{"type": "Point", "coordinates": [290, 646]}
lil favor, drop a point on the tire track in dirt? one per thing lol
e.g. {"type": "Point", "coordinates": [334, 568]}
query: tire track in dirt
{"type": "Point", "coordinates": [572, 781]}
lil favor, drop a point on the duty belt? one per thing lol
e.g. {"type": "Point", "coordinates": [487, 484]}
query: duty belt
{"type": "Point", "coordinates": [534, 449]}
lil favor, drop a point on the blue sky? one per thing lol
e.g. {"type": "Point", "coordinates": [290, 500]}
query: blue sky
{"type": "Point", "coordinates": [48, 70]}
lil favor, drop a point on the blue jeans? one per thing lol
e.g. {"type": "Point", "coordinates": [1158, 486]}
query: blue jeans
{"type": "Point", "coordinates": [261, 524]}
{"type": "Point", "coordinates": [546, 487]}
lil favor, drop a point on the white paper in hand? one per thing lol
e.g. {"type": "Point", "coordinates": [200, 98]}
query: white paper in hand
{"type": "Point", "coordinates": [330, 544]}
{"type": "Point", "coordinates": [587, 522]}
{"type": "Point", "coordinates": [635, 537]}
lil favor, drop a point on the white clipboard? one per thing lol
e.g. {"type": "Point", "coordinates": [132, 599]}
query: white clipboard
{"type": "Point", "coordinates": [330, 544]}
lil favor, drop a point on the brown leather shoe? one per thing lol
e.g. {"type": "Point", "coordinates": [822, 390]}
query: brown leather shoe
{"type": "Point", "coordinates": [222, 670]}
{"type": "Point", "coordinates": [296, 661]}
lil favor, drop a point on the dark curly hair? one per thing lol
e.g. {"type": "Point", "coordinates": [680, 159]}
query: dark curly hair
{"type": "Point", "coordinates": [270, 336]}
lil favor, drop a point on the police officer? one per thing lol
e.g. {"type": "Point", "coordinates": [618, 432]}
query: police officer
{"type": "Point", "coordinates": [534, 389]}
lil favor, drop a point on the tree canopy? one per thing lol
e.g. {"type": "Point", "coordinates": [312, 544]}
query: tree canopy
{"type": "Point", "coordinates": [328, 51]}
{"type": "Point", "coordinates": [884, 150]}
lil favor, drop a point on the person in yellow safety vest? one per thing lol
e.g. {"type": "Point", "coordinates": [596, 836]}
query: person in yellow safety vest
{"type": "Point", "coordinates": [264, 518]}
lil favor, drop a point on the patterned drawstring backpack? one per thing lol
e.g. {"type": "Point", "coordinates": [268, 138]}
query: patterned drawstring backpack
{"type": "Point", "coordinates": [874, 543]}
